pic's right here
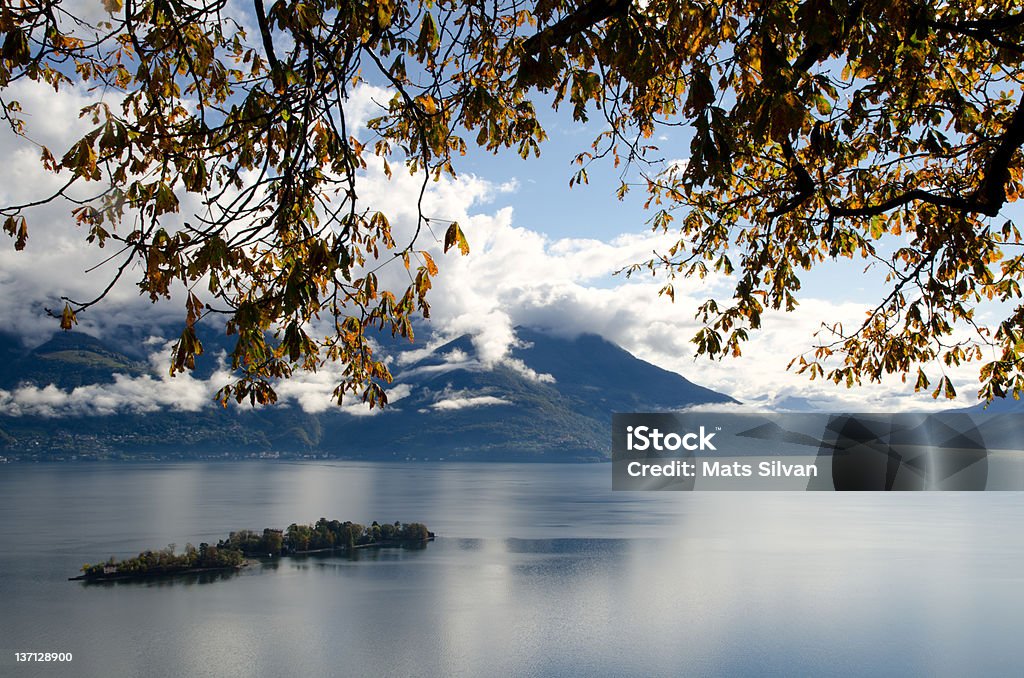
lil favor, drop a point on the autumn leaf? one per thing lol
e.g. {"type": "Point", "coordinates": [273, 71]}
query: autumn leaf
{"type": "Point", "coordinates": [68, 318]}
{"type": "Point", "coordinates": [454, 237]}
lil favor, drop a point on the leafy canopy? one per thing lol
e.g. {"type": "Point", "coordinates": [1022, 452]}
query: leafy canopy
{"type": "Point", "coordinates": [881, 130]}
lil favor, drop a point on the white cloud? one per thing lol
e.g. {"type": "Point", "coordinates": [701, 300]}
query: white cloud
{"type": "Point", "coordinates": [57, 261]}
{"type": "Point", "coordinates": [519, 366]}
{"type": "Point", "coordinates": [457, 399]}
{"type": "Point", "coordinates": [145, 393]}
{"type": "Point", "coordinates": [515, 276]}
{"type": "Point", "coordinates": [456, 359]}
{"type": "Point", "coordinates": [460, 403]}
{"type": "Point", "coordinates": [312, 391]}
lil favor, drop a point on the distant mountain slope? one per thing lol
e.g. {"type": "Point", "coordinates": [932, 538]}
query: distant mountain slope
{"type": "Point", "coordinates": [605, 378]}
{"type": "Point", "coordinates": [67, 360]}
{"type": "Point", "coordinates": [997, 406]}
{"type": "Point", "coordinates": [558, 408]}
{"type": "Point", "coordinates": [551, 402]}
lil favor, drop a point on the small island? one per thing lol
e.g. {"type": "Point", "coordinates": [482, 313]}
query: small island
{"type": "Point", "coordinates": [242, 546]}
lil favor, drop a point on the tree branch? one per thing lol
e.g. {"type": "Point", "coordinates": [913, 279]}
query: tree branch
{"type": "Point", "coordinates": [916, 195]}
{"type": "Point", "coordinates": [804, 183]}
{"type": "Point", "coordinates": [268, 43]}
{"type": "Point", "coordinates": [991, 194]}
{"type": "Point", "coordinates": [590, 14]}
{"type": "Point", "coordinates": [987, 199]}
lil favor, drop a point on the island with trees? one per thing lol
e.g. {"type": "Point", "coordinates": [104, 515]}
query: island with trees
{"type": "Point", "coordinates": [242, 546]}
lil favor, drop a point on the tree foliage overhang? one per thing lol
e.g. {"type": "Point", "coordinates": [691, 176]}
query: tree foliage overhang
{"type": "Point", "coordinates": [883, 130]}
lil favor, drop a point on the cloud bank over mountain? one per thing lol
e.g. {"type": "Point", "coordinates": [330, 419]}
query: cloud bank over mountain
{"type": "Point", "coordinates": [467, 412]}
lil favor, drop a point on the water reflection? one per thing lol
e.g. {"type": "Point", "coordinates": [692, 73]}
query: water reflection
{"type": "Point", "coordinates": [164, 580]}
{"type": "Point", "coordinates": [536, 571]}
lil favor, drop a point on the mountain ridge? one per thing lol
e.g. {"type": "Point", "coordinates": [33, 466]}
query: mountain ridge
{"type": "Point", "coordinates": [550, 399]}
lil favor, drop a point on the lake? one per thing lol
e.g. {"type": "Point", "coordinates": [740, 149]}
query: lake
{"type": "Point", "coordinates": [538, 570]}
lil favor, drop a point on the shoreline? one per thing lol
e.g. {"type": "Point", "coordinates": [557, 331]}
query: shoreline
{"type": "Point", "coordinates": [122, 576]}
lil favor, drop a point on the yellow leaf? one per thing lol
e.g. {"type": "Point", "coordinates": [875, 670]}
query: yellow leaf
{"type": "Point", "coordinates": [428, 104]}
{"type": "Point", "coordinates": [429, 261]}
{"type": "Point", "coordinates": [67, 318]}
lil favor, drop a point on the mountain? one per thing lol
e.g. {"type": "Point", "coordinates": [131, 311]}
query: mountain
{"type": "Point", "coordinates": [67, 360]}
{"type": "Point", "coordinates": [997, 406]}
{"type": "Point", "coordinates": [550, 400]}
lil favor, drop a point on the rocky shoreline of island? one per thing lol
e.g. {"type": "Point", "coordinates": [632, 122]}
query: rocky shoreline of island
{"type": "Point", "coordinates": [246, 547]}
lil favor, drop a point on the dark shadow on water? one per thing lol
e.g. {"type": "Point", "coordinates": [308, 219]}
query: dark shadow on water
{"type": "Point", "coordinates": [167, 580]}
{"type": "Point", "coordinates": [573, 546]}
{"type": "Point", "coordinates": [260, 566]}
{"type": "Point", "coordinates": [380, 553]}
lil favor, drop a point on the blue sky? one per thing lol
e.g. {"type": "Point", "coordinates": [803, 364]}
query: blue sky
{"type": "Point", "coordinates": [544, 201]}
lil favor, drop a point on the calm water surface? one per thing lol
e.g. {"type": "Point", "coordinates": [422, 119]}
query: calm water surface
{"type": "Point", "coordinates": [538, 570]}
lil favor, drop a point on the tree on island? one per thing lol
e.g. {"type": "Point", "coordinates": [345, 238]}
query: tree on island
{"type": "Point", "coordinates": [887, 131]}
{"type": "Point", "coordinates": [166, 561]}
{"type": "Point", "coordinates": [231, 552]}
